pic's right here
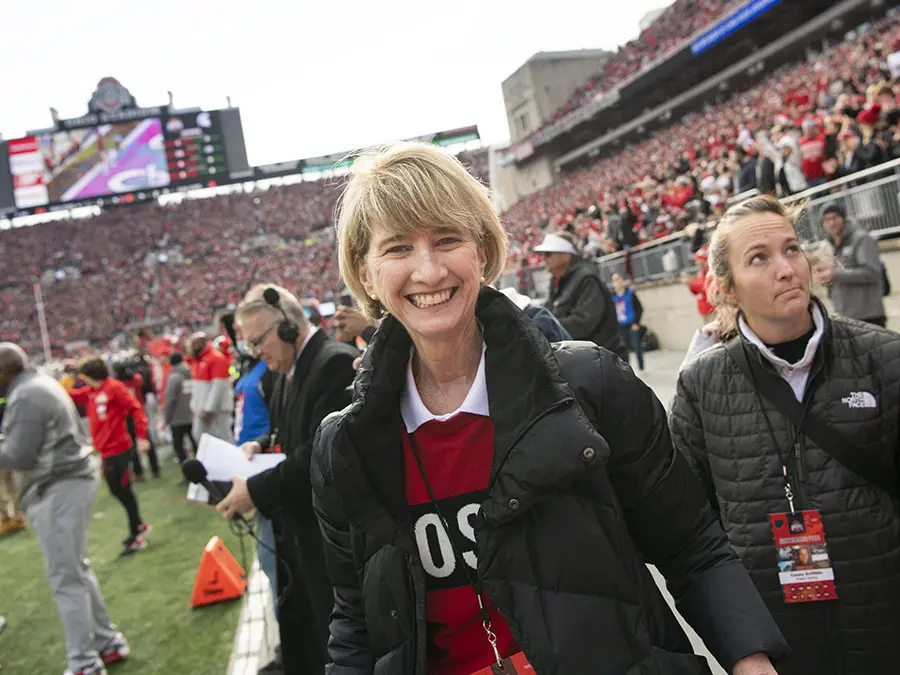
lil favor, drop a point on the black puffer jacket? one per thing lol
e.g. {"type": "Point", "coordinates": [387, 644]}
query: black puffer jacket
{"type": "Point", "coordinates": [718, 421]}
{"type": "Point", "coordinates": [585, 308]}
{"type": "Point", "coordinates": [585, 487]}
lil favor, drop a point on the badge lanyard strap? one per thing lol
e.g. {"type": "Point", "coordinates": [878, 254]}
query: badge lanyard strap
{"type": "Point", "coordinates": [795, 435]}
{"type": "Point", "coordinates": [473, 582]}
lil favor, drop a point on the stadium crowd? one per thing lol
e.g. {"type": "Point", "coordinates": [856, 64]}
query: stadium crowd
{"type": "Point", "coordinates": [678, 21]}
{"type": "Point", "coordinates": [801, 125]}
{"type": "Point", "coordinates": [806, 123]}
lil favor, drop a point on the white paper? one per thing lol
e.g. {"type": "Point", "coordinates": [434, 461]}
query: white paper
{"type": "Point", "coordinates": [224, 461]}
{"type": "Point", "coordinates": [198, 493]}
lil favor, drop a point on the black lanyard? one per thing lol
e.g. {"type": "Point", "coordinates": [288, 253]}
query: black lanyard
{"type": "Point", "coordinates": [473, 581]}
{"type": "Point", "coordinates": [759, 377]}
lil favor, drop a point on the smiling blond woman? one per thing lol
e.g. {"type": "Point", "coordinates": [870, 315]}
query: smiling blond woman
{"type": "Point", "coordinates": [490, 496]}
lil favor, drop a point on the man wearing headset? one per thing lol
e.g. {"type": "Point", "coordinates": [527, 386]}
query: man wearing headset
{"type": "Point", "coordinates": [314, 374]}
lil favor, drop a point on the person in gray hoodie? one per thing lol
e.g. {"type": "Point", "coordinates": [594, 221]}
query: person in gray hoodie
{"type": "Point", "coordinates": [856, 276]}
{"type": "Point", "coordinates": [56, 472]}
{"type": "Point", "coordinates": [178, 415]}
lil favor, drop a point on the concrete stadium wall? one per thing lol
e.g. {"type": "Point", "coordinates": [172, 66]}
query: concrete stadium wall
{"type": "Point", "coordinates": [670, 310]}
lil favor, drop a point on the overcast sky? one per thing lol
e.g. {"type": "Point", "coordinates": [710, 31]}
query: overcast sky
{"type": "Point", "coordinates": [311, 78]}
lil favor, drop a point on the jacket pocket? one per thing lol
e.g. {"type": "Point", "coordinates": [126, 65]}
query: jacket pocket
{"type": "Point", "coordinates": [661, 662]}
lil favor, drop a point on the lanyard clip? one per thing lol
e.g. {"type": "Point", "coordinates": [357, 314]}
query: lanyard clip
{"type": "Point", "coordinates": [491, 636]}
{"type": "Point", "coordinates": [787, 489]}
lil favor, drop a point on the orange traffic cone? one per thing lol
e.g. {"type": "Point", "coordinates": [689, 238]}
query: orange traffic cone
{"type": "Point", "coordinates": [219, 576]}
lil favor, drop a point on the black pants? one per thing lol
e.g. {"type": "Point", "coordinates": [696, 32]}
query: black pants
{"type": "Point", "coordinates": [632, 340]}
{"type": "Point", "coordinates": [136, 456]}
{"type": "Point", "coordinates": [117, 471]}
{"type": "Point", "coordinates": [308, 598]}
{"type": "Point", "coordinates": [179, 432]}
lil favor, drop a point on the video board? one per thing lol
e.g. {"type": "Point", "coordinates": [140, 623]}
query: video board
{"type": "Point", "coordinates": [82, 164]}
{"type": "Point", "coordinates": [120, 161]}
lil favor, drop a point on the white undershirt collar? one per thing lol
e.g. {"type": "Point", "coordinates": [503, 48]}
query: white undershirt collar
{"type": "Point", "coordinates": [795, 374]}
{"type": "Point", "coordinates": [414, 412]}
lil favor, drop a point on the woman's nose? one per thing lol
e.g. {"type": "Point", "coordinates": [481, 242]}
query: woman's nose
{"type": "Point", "coordinates": [429, 269]}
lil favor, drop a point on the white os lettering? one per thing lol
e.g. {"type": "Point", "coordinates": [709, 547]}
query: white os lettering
{"type": "Point", "coordinates": [466, 529]}
{"type": "Point", "coordinates": [422, 525]}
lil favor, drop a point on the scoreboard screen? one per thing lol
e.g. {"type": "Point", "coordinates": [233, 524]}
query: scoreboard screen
{"type": "Point", "coordinates": [81, 164]}
{"type": "Point", "coordinates": [195, 150]}
{"type": "Point", "coordinates": [120, 162]}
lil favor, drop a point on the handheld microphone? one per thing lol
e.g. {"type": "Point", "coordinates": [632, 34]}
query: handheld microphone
{"type": "Point", "coordinates": [196, 473]}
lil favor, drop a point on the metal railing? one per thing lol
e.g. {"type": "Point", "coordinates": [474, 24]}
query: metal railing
{"type": "Point", "coordinates": [870, 198]}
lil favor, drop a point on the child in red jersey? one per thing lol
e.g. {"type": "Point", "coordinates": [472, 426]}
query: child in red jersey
{"type": "Point", "coordinates": [109, 403]}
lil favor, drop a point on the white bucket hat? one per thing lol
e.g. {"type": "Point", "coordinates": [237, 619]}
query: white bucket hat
{"type": "Point", "coordinates": [553, 243]}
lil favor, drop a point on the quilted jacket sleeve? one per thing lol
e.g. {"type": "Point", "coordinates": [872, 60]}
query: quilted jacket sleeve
{"type": "Point", "coordinates": [671, 522]}
{"type": "Point", "coordinates": [349, 651]}
{"type": "Point", "coordinates": [687, 437]}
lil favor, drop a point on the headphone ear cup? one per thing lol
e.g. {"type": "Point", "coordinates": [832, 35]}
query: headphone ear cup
{"type": "Point", "coordinates": [288, 331]}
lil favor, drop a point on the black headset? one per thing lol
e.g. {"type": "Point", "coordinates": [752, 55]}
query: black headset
{"type": "Point", "coordinates": [288, 331]}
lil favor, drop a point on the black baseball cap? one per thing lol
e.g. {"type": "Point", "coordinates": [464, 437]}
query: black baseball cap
{"type": "Point", "coordinates": [834, 207]}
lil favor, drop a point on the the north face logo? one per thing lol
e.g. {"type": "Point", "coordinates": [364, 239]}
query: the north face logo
{"type": "Point", "coordinates": [860, 399]}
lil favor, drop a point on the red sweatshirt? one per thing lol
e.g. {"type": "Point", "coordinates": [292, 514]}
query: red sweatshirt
{"type": "Point", "coordinates": [457, 456]}
{"type": "Point", "coordinates": [700, 287]}
{"type": "Point", "coordinates": [108, 406]}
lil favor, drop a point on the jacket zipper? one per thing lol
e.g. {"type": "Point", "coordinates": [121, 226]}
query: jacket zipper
{"type": "Point", "coordinates": [799, 448]}
{"type": "Point", "coordinates": [799, 484]}
{"type": "Point", "coordinates": [565, 403]}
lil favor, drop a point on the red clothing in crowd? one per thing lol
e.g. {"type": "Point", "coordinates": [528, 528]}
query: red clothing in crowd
{"type": "Point", "coordinates": [813, 152]}
{"type": "Point", "coordinates": [700, 287]}
{"type": "Point", "coordinates": [136, 386]}
{"type": "Point", "coordinates": [108, 406]}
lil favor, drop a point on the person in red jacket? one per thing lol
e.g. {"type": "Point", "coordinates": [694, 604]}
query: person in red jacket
{"type": "Point", "coordinates": [699, 285]}
{"type": "Point", "coordinates": [109, 403]}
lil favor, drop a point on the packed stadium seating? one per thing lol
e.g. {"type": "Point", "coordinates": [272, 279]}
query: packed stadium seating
{"type": "Point", "coordinates": [679, 21]}
{"type": "Point", "coordinates": [183, 261]}
{"type": "Point", "coordinates": [699, 155]}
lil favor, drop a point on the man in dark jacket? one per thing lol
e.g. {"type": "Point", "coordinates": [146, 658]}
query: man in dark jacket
{"type": "Point", "coordinates": [578, 297]}
{"type": "Point", "coordinates": [314, 373]}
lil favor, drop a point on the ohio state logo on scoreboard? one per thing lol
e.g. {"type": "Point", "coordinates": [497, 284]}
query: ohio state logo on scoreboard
{"type": "Point", "coordinates": [111, 96]}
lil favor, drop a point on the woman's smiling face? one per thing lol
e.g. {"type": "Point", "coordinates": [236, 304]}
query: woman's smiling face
{"type": "Point", "coordinates": [429, 280]}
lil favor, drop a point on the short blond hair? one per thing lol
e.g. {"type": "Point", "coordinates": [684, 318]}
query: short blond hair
{"type": "Point", "coordinates": [407, 188]}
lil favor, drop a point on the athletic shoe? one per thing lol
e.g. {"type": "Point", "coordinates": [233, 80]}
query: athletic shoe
{"type": "Point", "coordinates": [93, 670]}
{"type": "Point", "coordinates": [117, 650]}
{"type": "Point", "coordinates": [2, 624]}
{"type": "Point", "coordinates": [143, 530]}
{"type": "Point", "coordinates": [133, 545]}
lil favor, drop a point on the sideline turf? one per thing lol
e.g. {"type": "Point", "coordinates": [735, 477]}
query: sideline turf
{"type": "Point", "coordinates": [148, 594]}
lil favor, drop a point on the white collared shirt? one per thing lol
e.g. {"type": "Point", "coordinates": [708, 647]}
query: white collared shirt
{"type": "Point", "coordinates": [795, 374]}
{"type": "Point", "coordinates": [414, 412]}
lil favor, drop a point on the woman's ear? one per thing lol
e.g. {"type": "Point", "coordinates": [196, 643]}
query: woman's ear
{"type": "Point", "coordinates": [366, 279]}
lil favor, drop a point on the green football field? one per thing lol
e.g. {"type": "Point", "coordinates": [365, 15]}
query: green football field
{"type": "Point", "coordinates": [148, 594]}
